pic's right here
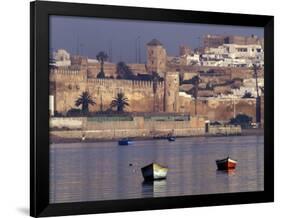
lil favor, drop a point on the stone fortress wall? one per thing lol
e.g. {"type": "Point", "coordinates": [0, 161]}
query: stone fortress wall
{"type": "Point", "coordinates": [218, 109]}
{"type": "Point", "coordinates": [92, 67]}
{"type": "Point", "coordinates": [143, 96]}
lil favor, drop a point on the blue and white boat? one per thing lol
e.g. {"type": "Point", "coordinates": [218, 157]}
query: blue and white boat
{"type": "Point", "coordinates": [125, 141]}
{"type": "Point", "coordinates": [171, 138]}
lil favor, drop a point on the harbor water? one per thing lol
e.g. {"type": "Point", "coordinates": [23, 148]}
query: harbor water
{"type": "Point", "coordinates": [106, 171]}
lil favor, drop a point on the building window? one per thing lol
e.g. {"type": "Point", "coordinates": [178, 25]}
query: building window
{"type": "Point", "coordinates": [242, 49]}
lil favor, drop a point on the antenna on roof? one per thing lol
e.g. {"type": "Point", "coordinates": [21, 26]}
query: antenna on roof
{"type": "Point", "coordinates": [81, 46]}
{"type": "Point", "coordinates": [77, 45]}
{"type": "Point", "coordinates": [51, 52]}
{"type": "Point", "coordinates": [110, 51]}
{"type": "Point", "coordinates": [121, 54]}
{"type": "Point", "coordinates": [139, 48]}
{"type": "Point", "coordinates": [135, 48]}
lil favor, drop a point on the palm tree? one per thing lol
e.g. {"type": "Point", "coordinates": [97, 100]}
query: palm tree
{"type": "Point", "coordinates": [120, 102]}
{"type": "Point", "coordinates": [195, 82]}
{"type": "Point", "coordinates": [101, 57]}
{"type": "Point", "coordinates": [258, 112]}
{"type": "Point", "coordinates": [85, 99]}
{"type": "Point", "coordinates": [256, 68]}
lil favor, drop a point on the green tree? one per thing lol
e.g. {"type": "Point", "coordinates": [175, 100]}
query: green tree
{"type": "Point", "coordinates": [247, 95]}
{"type": "Point", "coordinates": [101, 57]}
{"type": "Point", "coordinates": [74, 112]}
{"type": "Point", "coordinates": [123, 71]}
{"type": "Point", "coordinates": [242, 119]}
{"type": "Point", "coordinates": [195, 82]}
{"type": "Point", "coordinates": [155, 76]}
{"type": "Point", "coordinates": [85, 99]}
{"type": "Point", "coordinates": [120, 102]}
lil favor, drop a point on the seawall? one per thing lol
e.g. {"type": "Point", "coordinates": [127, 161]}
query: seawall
{"type": "Point", "coordinates": [67, 129]}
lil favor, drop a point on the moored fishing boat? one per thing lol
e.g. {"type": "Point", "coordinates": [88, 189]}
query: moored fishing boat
{"type": "Point", "coordinates": [226, 164]}
{"type": "Point", "coordinates": [171, 138]}
{"type": "Point", "coordinates": [154, 171]}
{"type": "Point", "coordinates": [125, 141]}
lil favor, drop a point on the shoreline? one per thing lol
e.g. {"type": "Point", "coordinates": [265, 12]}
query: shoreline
{"type": "Point", "coordinates": [61, 140]}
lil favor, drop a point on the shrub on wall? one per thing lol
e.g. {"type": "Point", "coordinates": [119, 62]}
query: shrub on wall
{"type": "Point", "coordinates": [243, 120]}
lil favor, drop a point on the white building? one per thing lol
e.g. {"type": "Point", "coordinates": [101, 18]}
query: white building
{"type": "Point", "coordinates": [61, 58]}
{"type": "Point", "coordinates": [232, 55]}
{"type": "Point", "coordinates": [192, 59]}
{"type": "Point", "coordinates": [249, 85]}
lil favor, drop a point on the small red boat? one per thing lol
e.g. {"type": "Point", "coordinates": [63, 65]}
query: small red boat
{"type": "Point", "coordinates": [226, 164]}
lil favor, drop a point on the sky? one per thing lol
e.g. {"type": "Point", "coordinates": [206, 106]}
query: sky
{"type": "Point", "coordinates": [88, 35]}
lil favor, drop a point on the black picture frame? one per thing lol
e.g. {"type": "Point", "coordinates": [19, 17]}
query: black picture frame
{"type": "Point", "coordinates": [39, 122]}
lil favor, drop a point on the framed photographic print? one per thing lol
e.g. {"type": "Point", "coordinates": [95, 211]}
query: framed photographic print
{"type": "Point", "coordinates": [141, 109]}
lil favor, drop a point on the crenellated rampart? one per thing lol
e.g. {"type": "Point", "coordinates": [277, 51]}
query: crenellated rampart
{"type": "Point", "coordinates": [131, 84]}
{"type": "Point", "coordinates": [67, 75]}
{"type": "Point", "coordinates": [143, 96]}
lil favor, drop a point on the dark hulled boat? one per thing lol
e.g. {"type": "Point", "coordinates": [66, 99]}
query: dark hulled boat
{"type": "Point", "coordinates": [171, 138]}
{"type": "Point", "coordinates": [125, 141]}
{"type": "Point", "coordinates": [226, 164]}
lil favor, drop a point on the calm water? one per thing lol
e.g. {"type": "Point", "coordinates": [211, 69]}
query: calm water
{"type": "Point", "coordinates": [101, 171]}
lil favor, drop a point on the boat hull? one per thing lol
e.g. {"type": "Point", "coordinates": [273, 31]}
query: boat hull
{"type": "Point", "coordinates": [154, 172]}
{"type": "Point", "coordinates": [171, 139]}
{"type": "Point", "coordinates": [226, 164]}
{"type": "Point", "coordinates": [121, 142]}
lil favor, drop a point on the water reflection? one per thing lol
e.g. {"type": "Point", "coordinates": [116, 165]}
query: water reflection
{"type": "Point", "coordinates": [155, 188]}
{"type": "Point", "coordinates": [230, 172]}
